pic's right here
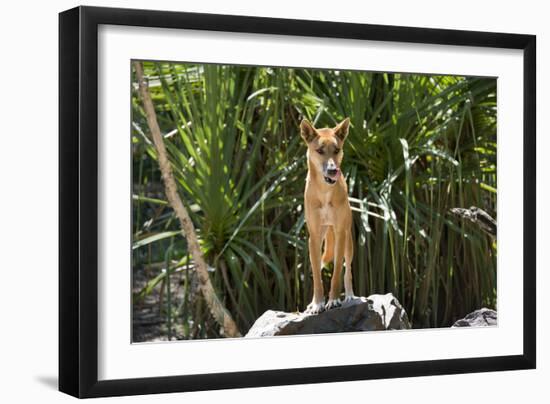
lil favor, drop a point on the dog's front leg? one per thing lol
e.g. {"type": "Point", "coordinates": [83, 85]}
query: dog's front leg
{"type": "Point", "coordinates": [334, 294]}
{"type": "Point", "coordinates": [317, 305]}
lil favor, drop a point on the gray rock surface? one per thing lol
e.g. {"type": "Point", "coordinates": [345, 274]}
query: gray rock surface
{"type": "Point", "coordinates": [376, 312]}
{"type": "Point", "coordinates": [480, 318]}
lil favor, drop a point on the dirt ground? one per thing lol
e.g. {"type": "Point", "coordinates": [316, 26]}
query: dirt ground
{"type": "Point", "coordinates": [149, 322]}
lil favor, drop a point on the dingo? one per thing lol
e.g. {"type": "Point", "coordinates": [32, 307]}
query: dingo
{"type": "Point", "coordinates": [327, 212]}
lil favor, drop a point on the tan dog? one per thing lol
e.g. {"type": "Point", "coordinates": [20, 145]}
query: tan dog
{"type": "Point", "coordinates": [327, 212]}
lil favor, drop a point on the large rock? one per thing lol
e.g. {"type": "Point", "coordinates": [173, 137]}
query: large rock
{"type": "Point", "coordinates": [480, 318]}
{"type": "Point", "coordinates": [376, 312]}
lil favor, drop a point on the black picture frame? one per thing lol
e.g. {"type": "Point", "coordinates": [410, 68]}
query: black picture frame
{"type": "Point", "coordinates": [78, 200]}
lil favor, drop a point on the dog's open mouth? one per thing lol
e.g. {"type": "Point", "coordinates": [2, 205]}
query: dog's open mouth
{"type": "Point", "coordinates": [330, 181]}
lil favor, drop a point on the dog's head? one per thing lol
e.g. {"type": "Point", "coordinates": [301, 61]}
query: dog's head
{"type": "Point", "coordinates": [325, 148]}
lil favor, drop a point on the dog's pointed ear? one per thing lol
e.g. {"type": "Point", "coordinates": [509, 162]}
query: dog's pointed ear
{"type": "Point", "coordinates": [307, 131]}
{"type": "Point", "coordinates": [341, 130]}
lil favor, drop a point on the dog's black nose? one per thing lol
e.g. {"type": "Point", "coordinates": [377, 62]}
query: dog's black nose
{"type": "Point", "coordinates": [332, 171]}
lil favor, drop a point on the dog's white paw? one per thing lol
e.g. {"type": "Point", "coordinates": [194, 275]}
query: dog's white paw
{"type": "Point", "coordinates": [333, 303]}
{"type": "Point", "coordinates": [348, 299]}
{"type": "Point", "coordinates": [315, 307]}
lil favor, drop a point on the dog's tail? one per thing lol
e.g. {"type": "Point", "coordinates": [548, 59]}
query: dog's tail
{"type": "Point", "coordinates": [328, 254]}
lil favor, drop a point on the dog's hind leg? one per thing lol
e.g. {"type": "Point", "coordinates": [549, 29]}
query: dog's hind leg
{"type": "Point", "coordinates": [328, 254]}
{"type": "Point", "coordinates": [348, 284]}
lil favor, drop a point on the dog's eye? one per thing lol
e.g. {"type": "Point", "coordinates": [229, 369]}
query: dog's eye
{"type": "Point", "coordinates": [336, 151]}
{"type": "Point", "coordinates": [320, 151]}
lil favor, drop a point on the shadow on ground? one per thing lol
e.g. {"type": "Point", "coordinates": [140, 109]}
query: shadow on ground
{"type": "Point", "coordinates": [48, 381]}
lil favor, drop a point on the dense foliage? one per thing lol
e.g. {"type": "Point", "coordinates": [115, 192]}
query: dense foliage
{"type": "Point", "coordinates": [419, 145]}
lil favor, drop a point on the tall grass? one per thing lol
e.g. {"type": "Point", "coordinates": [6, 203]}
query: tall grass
{"type": "Point", "coordinates": [419, 145]}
